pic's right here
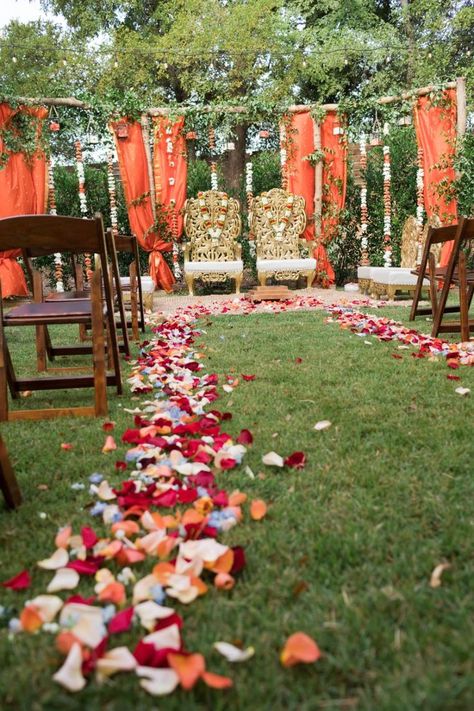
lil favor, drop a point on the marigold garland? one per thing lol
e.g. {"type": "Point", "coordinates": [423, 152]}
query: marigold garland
{"type": "Point", "coordinates": [420, 201]}
{"type": "Point", "coordinates": [387, 224]}
{"type": "Point", "coordinates": [83, 201]}
{"type": "Point", "coordinates": [58, 263]}
{"type": "Point", "coordinates": [363, 200]}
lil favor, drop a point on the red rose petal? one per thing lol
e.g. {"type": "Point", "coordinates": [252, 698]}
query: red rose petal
{"type": "Point", "coordinates": [22, 581]}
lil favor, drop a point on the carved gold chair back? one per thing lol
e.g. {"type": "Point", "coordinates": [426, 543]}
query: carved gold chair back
{"type": "Point", "coordinates": [277, 221]}
{"type": "Point", "coordinates": [409, 242]}
{"type": "Point", "coordinates": [212, 224]}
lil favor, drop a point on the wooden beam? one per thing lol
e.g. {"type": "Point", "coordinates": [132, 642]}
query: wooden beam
{"type": "Point", "coordinates": [56, 101]}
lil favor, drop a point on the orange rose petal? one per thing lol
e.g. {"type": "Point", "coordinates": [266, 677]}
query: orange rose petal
{"type": "Point", "coordinates": [30, 619]}
{"type": "Point", "coordinates": [258, 509]}
{"type": "Point", "coordinates": [114, 593]}
{"type": "Point", "coordinates": [188, 667]}
{"type": "Point", "coordinates": [237, 497]}
{"type": "Point", "coordinates": [128, 527]}
{"type": "Point", "coordinates": [111, 550]}
{"type": "Point", "coordinates": [216, 681]}
{"type": "Point", "coordinates": [162, 571]}
{"type": "Point", "coordinates": [236, 511]}
{"type": "Point", "coordinates": [63, 536]}
{"type": "Point", "coordinates": [133, 511]}
{"type": "Point", "coordinates": [199, 584]}
{"type": "Point", "coordinates": [192, 516]}
{"type": "Point", "coordinates": [224, 563]}
{"type": "Point", "coordinates": [129, 556]}
{"type": "Point", "coordinates": [169, 522]}
{"type": "Point", "coordinates": [64, 642]}
{"type": "Point", "coordinates": [165, 547]}
{"type": "Point", "coordinates": [299, 648]}
{"type": "Point", "coordinates": [224, 581]}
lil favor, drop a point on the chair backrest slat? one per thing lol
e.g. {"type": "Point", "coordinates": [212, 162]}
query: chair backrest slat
{"type": "Point", "coordinates": [46, 234]}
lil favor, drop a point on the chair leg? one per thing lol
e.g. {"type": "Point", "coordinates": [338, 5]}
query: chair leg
{"type": "Point", "coordinates": [433, 285]}
{"type": "Point", "coordinates": [238, 283]}
{"type": "Point", "coordinates": [190, 282]}
{"type": "Point", "coordinates": [134, 301]}
{"type": "Point", "coordinates": [262, 279]}
{"type": "Point", "coordinates": [8, 483]}
{"type": "Point", "coordinates": [309, 279]}
{"type": "Point", "coordinates": [98, 347]}
{"type": "Point", "coordinates": [40, 330]}
{"type": "Point", "coordinates": [463, 297]}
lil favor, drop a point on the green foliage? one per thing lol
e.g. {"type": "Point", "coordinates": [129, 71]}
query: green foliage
{"type": "Point", "coordinates": [465, 183]}
{"type": "Point", "coordinates": [199, 177]}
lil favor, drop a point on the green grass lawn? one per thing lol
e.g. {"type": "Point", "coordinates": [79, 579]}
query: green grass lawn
{"type": "Point", "coordinates": [345, 553]}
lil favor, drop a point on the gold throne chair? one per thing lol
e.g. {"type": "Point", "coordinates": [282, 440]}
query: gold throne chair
{"type": "Point", "coordinates": [212, 224]}
{"type": "Point", "coordinates": [277, 221]}
{"type": "Point", "coordinates": [390, 280]}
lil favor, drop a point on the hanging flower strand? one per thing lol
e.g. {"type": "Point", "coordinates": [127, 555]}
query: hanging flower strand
{"type": "Point", "coordinates": [283, 157]}
{"type": "Point", "coordinates": [420, 203]}
{"type": "Point", "coordinates": [363, 199]}
{"type": "Point", "coordinates": [58, 264]}
{"type": "Point", "coordinates": [112, 194]}
{"type": "Point", "coordinates": [212, 147]}
{"type": "Point", "coordinates": [174, 230]}
{"type": "Point", "coordinates": [387, 224]}
{"type": "Point", "coordinates": [83, 201]}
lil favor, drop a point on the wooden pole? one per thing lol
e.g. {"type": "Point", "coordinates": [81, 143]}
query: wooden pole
{"type": "Point", "coordinates": [461, 106]}
{"type": "Point", "coordinates": [318, 182]}
{"type": "Point", "coordinates": [149, 163]}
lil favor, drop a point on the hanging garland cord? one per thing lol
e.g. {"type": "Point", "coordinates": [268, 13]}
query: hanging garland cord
{"type": "Point", "coordinates": [212, 147]}
{"type": "Point", "coordinates": [363, 202]}
{"type": "Point", "coordinates": [58, 264]}
{"type": "Point", "coordinates": [387, 224]}
{"type": "Point", "coordinates": [83, 202]}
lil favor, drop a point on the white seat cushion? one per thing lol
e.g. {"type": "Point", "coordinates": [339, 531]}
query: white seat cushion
{"type": "Point", "coordinates": [395, 276]}
{"type": "Point", "coordinates": [276, 265]}
{"type": "Point", "coordinates": [364, 272]}
{"type": "Point", "coordinates": [236, 266]}
{"type": "Point", "coordinates": [148, 284]}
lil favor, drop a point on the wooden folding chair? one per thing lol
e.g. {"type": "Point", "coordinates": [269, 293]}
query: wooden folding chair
{"type": "Point", "coordinates": [8, 483]}
{"type": "Point", "coordinates": [436, 236]}
{"type": "Point", "coordinates": [46, 234]}
{"type": "Point", "coordinates": [129, 244]}
{"type": "Point", "coordinates": [82, 292]}
{"type": "Point", "coordinates": [456, 273]}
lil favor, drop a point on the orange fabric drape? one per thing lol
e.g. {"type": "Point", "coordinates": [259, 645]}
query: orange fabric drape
{"type": "Point", "coordinates": [436, 134]}
{"type": "Point", "coordinates": [334, 146]}
{"type": "Point", "coordinates": [136, 184]}
{"type": "Point", "coordinates": [300, 142]}
{"type": "Point", "coordinates": [170, 169]}
{"type": "Point", "coordinates": [22, 192]}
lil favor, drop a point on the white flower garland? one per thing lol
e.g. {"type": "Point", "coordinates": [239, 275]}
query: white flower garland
{"type": "Point", "coordinates": [83, 201]}
{"type": "Point", "coordinates": [112, 193]}
{"type": "Point", "coordinates": [58, 262]}
{"type": "Point", "coordinates": [387, 223]}
{"type": "Point", "coordinates": [363, 194]}
{"type": "Point", "coordinates": [420, 201]}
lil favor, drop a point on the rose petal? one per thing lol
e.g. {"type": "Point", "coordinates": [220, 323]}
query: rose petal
{"type": "Point", "coordinates": [232, 653]}
{"type": "Point", "coordinates": [273, 459]}
{"type": "Point", "coordinates": [216, 681]}
{"type": "Point", "coordinates": [48, 606]}
{"type": "Point", "coordinates": [158, 682]}
{"type": "Point", "coordinates": [70, 674]}
{"type": "Point", "coordinates": [322, 425]}
{"type": "Point", "coordinates": [22, 581]}
{"type": "Point", "coordinates": [258, 509]}
{"type": "Point", "coordinates": [462, 391]}
{"type": "Point", "coordinates": [188, 667]}
{"type": "Point", "coordinates": [109, 445]}
{"type": "Point", "coordinates": [116, 660]}
{"type": "Point", "coordinates": [299, 648]}
{"type": "Point", "coordinates": [58, 560]}
{"type": "Point", "coordinates": [297, 460]}
{"type": "Point", "coordinates": [64, 579]}
{"type": "Point", "coordinates": [435, 580]}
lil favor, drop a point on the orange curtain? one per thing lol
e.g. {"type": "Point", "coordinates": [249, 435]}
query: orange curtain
{"type": "Point", "coordinates": [23, 191]}
{"type": "Point", "coordinates": [435, 127]}
{"type": "Point", "coordinates": [300, 172]}
{"type": "Point", "coordinates": [136, 183]}
{"type": "Point", "coordinates": [334, 146]}
{"type": "Point", "coordinates": [170, 170]}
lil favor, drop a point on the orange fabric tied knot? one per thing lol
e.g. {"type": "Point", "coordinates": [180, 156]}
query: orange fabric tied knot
{"type": "Point", "coordinates": [159, 269]}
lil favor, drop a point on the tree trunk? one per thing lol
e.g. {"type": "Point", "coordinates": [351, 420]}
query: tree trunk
{"type": "Point", "coordinates": [234, 161]}
{"type": "Point", "coordinates": [411, 42]}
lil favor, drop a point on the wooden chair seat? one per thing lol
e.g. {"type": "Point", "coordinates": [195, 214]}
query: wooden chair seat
{"type": "Point", "coordinates": [36, 235]}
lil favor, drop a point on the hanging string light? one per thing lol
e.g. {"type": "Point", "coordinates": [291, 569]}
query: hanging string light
{"type": "Point", "coordinates": [363, 199]}
{"type": "Point", "coordinates": [387, 223]}
{"type": "Point", "coordinates": [83, 201]}
{"type": "Point", "coordinates": [212, 147]}
{"type": "Point", "coordinates": [420, 201]}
